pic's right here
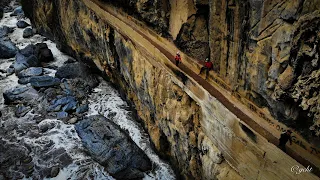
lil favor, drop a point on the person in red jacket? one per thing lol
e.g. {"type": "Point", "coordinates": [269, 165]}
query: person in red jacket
{"type": "Point", "coordinates": [207, 66]}
{"type": "Point", "coordinates": [177, 58]}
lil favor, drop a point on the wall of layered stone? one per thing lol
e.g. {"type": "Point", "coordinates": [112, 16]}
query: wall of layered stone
{"type": "Point", "coordinates": [264, 50]}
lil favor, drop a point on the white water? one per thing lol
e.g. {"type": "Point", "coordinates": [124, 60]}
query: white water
{"type": "Point", "coordinates": [105, 100]}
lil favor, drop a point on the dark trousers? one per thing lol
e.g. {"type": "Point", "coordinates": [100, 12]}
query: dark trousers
{"type": "Point", "coordinates": [207, 70]}
{"type": "Point", "coordinates": [177, 62]}
{"type": "Point", "coordinates": [282, 147]}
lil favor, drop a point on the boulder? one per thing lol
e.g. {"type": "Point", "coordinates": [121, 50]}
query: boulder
{"type": "Point", "coordinates": [22, 24]}
{"type": "Point", "coordinates": [44, 81]}
{"type": "Point", "coordinates": [77, 70]}
{"type": "Point", "coordinates": [27, 33]}
{"type": "Point", "coordinates": [40, 50]}
{"type": "Point", "coordinates": [5, 30]}
{"type": "Point", "coordinates": [17, 11]}
{"type": "Point", "coordinates": [28, 50]}
{"type": "Point", "coordinates": [44, 53]}
{"type": "Point", "coordinates": [20, 94]}
{"type": "Point", "coordinates": [7, 49]}
{"type": "Point", "coordinates": [29, 72]}
{"type": "Point", "coordinates": [109, 145]}
{"type": "Point", "coordinates": [22, 62]}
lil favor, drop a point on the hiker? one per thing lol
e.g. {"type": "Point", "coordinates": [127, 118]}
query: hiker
{"type": "Point", "coordinates": [177, 58]}
{"type": "Point", "coordinates": [207, 66]}
{"type": "Point", "coordinates": [285, 136]}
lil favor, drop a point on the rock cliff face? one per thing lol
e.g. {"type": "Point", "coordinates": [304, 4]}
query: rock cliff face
{"type": "Point", "coordinates": [265, 51]}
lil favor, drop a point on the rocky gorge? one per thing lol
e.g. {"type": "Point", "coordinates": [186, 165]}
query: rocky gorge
{"type": "Point", "coordinates": [264, 80]}
{"type": "Point", "coordinates": [53, 119]}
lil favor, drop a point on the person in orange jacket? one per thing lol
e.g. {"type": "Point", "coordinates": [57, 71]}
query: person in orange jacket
{"type": "Point", "coordinates": [178, 59]}
{"type": "Point", "coordinates": [207, 66]}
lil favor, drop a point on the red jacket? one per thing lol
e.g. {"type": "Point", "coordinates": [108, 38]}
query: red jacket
{"type": "Point", "coordinates": [209, 65]}
{"type": "Point", "coordinates": [178, 58]}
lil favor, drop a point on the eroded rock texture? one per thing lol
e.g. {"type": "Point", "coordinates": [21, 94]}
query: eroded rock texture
{"type": "Point", "coordinates": [154, 12]}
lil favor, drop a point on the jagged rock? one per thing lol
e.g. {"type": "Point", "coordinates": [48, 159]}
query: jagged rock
{"type": "Point", "coordinates": [61, 102]}
{"type": "Point", "coordinates": [7, 49]}
{"type": "Point", "coordinates": [17, 11]}
{"type": "Point", "coordinates": [28, 50]}
{"type": "Point", "coordinates": [5, 30]}
{"type": "Point", "coordinates": [77, 70]}
{"type": "Point", "coordinates": [44, 53]}
{"type": "Point", "coordinates": [112, 148]}
{"type": "Point", "coordinates": [286, 78]}
{"type": "Point", "coordinates": [22, 24]}
{"type": "Point", "coordinates": [40, 50]}
{"type": "Point", "coordinates": [22, 62]}
{"type": "Point", "coordinates": [32, 71]}
{"type": "Point", "coordinates": [22, 110]}
{"type": "Point", "coordinates": [27, 33]}
{"type": "Point", "coordinates": [44, 81]}
{"type": "Point", "coordinates": [20, 94]}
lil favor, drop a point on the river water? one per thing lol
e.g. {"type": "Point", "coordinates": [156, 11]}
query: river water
{"type": "Point", "coordinates": [105, 100]}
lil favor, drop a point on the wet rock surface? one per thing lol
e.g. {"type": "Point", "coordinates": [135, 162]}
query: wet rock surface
{"type": "Point", "coordinates": [44, 81]}
{"type": "Point", "coordinates": [32, 71]}
{"type": "Point", "coordinates": [7, 49]}
{"type": "Point", "coordinates": [27, 33]}
{"type": "Point", "coordinates": [22, 24]}
{"type": "Point", "coordinates": [77, 70]}
{"type": "Point", "coordinates": [111, 147]}
{"type": "Point", "coordinates": [21, 94]}
{"type": "Point", "coordinates": [17, 11]}
{"type": "Point", "coordinates": [5, 30]}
